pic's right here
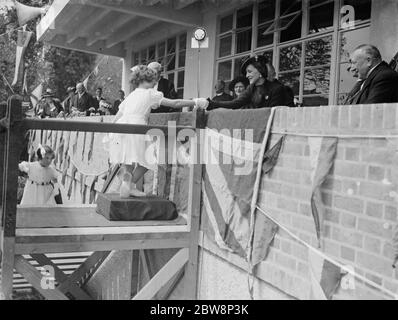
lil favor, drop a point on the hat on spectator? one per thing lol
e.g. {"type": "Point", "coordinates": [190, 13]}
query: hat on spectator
{"type": "Point", "coordinates": [242, 79]}
{"type": "Point", "coordinates": [259, 62]}
{"type": "Point", "coordinates": [70, 89]}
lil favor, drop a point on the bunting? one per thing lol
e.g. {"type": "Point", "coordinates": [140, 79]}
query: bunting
{"type": "Point", "coordinates": [27, 13]}
{"type": "Point", "coordinates": [92, 190]}
{"type": "Point", "coordinates": [35, 95]}
{"type": "Point", "coordinates": [22, 43]}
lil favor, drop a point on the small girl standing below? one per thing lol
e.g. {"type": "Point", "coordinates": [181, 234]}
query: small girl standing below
{"type": "Point", "coordinates": [41, 185]}
{"type": "Point", "coordinates": [131, 150]}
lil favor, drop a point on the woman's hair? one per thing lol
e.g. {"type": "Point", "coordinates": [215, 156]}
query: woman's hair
{"type": "Point", "coordinates": [47, 149]}
{"type": "Point", "coordinates": [142, 73]}
{"type": "Point", "coordinates": [261, 67]}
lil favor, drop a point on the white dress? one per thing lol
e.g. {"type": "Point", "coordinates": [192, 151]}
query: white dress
{"type": "Point", "coordinates": [39, 188]}
{"type": "Point", "coordinates": [129, 148]}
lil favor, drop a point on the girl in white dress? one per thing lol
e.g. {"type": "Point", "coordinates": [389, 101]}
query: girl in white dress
{"type": "Point", "coordinates": [133, 150]}
{"type": "Point", "coordinates": [41, 185]}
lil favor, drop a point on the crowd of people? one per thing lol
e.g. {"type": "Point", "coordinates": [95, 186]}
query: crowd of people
{"type": "Point", "coordinates": [78, 102]}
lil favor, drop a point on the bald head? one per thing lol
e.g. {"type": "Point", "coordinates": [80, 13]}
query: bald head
{"type": "Point", "coordinates": [363, 59]}
{"type": "Point", "coordinates": [80, 88]}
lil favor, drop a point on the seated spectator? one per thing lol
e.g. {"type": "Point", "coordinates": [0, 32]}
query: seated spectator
{"type": "Point", "coordinates": [117, 103]}
{"type": "Point", "coordinates": [49, 106]}
{"type": "Point", "coordinates": [83, 102]}
{"type": "Point", "coordinates": [221, 95]}
{"type": "Point", "coordinates": [238, 86]}
{"type": "Point", "coordinates": [98, 97]}
{"type": "Point", "coordinates": [289, 92]}
{"type": "Point", "coordinates": [380, 83]}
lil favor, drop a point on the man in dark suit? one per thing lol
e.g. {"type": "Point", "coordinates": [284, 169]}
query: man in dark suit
{"type": "Point", "coordinates": [165, 86]}
{"type": "Point", "coordinates": [380, 83]}
{"type": "Point", "coordinates": [117, 103]}
{"type": "Point", "coordinates": [220, 92]}
{"type": "Point", "coordinates": [83, 101]}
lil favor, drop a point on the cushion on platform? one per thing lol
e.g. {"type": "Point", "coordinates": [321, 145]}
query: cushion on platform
{"type": "Point", "coordinates": [114, 208]}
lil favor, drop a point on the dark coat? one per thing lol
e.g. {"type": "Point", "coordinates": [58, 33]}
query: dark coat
{"type": "Point", "coordinates": [115, 107]}
{"type": "Point", "coordinates": [223, 97]}
{"type": "Point", "coordinates": [380, 87]}
{"type": "Point", "coordinates": [84, 103]}
{"type": "Point", "coordinates": [167, 88]}
{"type": "Point", "coordinates": [267, 95]}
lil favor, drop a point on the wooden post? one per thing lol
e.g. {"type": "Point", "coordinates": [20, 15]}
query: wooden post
{"type": "Point", "coordinates": [14, 139]}
{"type": "Point", "coordinates": [194, 201]}
{"type": "Point", "coordinates": [3, 130]}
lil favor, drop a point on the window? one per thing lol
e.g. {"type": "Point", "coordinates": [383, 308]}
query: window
{"type": "Point", "coordinates": [297, 36]}
{"type": "Point", "coordinates": [171, 53]}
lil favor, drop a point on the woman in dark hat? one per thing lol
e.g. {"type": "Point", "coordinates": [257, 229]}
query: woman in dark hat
{"type": "Point", "coordinates": [238, 86]}
{"type": "Point", "coordinates": [260, 93]}
{"type": "Point", "coordinates": [49, 106]}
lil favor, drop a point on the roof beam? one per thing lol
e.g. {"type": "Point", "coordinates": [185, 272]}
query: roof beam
{"type": "Point", "coordinates": [89, 23]}
{"type": "Point", "coordinates": [188, 17]}
{"type": "Point", "coordinates": [80, 44]}
{"type": "Point", "coordinates": [108, 28]}
{"type": "Point", "coordinates": [129, 30]}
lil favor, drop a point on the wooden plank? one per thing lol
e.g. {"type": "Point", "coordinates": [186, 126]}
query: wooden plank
{"type": "Point", "coordinates": [34, 277]}
{"type": "Point", "coordinates": [86, 270]}
{"type": "Point", "coordinates": [169, 270]}
{"type": "Point", "coordinates": [7, 266]}
{"type": "Point", "coordinates": [3, 109]}
{"type": "Point", "coordinates": [194, 200]}
{"type": "Point", "coordinates": [61, 277]}
{"type": "Point", "coordinates": [145, 268]}
{"type": "Point", "coordinates": [64, 216]}
{"type": "Point", "coordinates": [14, 144]}
{"type": "Point", "coordinates": [135, 272]}
{"type": "Point", "coordinates": [103, 127]}
{"type": "Point", "coordinates": [78, 246]}
{"type": "Point", "coordinates": [167, 290]}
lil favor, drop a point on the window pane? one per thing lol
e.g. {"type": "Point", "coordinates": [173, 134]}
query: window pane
{"type": "Point", "coordinates": [318, 52]}
{"type": "Point", "coordinates": [161, 49]}
{"type": "Point", "coordinates": [290, 57]}
{"type": "Point", "coordinates": [181, 59]}
{"type": "Point", "coordinates": [268, 38]}
{"type": "Point", "coordinates": [321, 18]}
{"type": "Point", "coordinates": [226, 23]}
{"type": "Point", "coordinates": [151, 53]}
{"type": "Point", "coordinates": [171, 62]}
{"type": "Point", "coordinates": [362, 8]}
{"type": "Point", "coordinates": [315, 101]}
{"type": "Point", "coordinates": [225, 46]}
{"type": "Point", "coordinates": [135, 59]}
{"type": "Point", "coordinates": [352, 39]}
{"type": "Point", "coordinates": [293, 31]}
{"type": "Point", "coordinates": [317, 81]}
{"type": "Point", "coordinates": [244, 17]}
{"type": "Point", "coordinates": [224, 70]}
{"type": "Point", "coordinates": [347, 81]}
{"type": "Point", "coordinates": [292, 80]}
{"type": "Point", "coordinates": [183, 41]}
{"type": "Point", "coordinates": [143, 56]}
{"type": "Point", "coordinates": [170, 76]}
{"type": "Point", "coordinates": [171, 45]}
{"type": "Point", "coordinates": [238, 64]}
{"type": "Point", "coordinates": [180, 93]}
{"type": "Point", "coordinates": [269, 55]}
{"type": "Point", "coordinates": [266, 11]}
{"type": "Point", "coordinates": [243, 41]}
{"type": "Point", "coordinates": [289, 6]}
{"type": "Point", "coordinates": [180, 79]}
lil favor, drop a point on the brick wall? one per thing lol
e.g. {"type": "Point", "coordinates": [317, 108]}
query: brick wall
{"type": "Point", "coordinates": [359, 195]}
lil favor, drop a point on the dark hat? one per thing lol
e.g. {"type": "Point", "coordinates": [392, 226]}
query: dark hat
{"type": "Point", "coordinates": [259, 62]}
{"type": "Point", "coordinates": [49, 94]}
{"type": "Point", "coordinates": [242, 79]}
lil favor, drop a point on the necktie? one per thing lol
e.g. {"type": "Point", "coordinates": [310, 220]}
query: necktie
{"type": "Point", "coordinates": [354, 92]}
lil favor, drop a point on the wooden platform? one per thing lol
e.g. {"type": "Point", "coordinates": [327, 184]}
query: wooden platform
{"type": "Point", "coordinates": [79, 229]}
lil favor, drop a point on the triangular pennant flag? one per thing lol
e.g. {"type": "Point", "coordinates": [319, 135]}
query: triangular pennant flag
{"type": "Point", "coordinates": [325, 276]}
{"type": "Point", "coordinates": [22, 43]}
{"type": "Point", "coordinates": [84, 144]}
{"type": "Point", "coordinates": [36, 95]}
{"type": "Point", "coordinates": [96, 70]}
{"type": "Point", "coordinates": [322, 153]}
{"type": "Point", "coordinates": [85, 82]}
{"type": "Point", "coordinates": [271, 156]}
{"type": "Point", "coordinates": [92, 190]}
{"type": "Point", "coordinates": [27, 13]}
{"type": "Point", "coordinates": [91, 147]}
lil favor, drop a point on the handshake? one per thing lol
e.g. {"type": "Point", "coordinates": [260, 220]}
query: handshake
{"type": "Point", "coordinates": [201, 103]}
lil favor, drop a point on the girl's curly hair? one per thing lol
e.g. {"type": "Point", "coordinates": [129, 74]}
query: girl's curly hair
{"type": "Point", "coordinates": [142, 73]}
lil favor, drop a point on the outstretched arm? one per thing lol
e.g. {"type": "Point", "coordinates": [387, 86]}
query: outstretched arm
{"type": "Point", "coordinates": [177, 103]}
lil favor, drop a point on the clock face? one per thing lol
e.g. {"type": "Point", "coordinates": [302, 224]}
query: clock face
{"type": "Point", "coordinates": [200, 34]}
